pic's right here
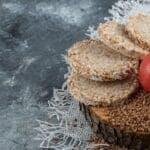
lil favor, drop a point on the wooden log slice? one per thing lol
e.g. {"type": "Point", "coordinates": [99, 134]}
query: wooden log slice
{"type": "Point", "coordinates": [127, 126]}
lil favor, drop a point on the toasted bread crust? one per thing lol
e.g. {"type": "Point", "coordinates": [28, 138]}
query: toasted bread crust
{"type": "Point", "coordinates": [101, 93]}
{"type": "Point", "coordinates": [138, 29]}
{"type": "Point", "coordinates": [113, 35]}
{"type": "Point", "coordinates": [93, 60]}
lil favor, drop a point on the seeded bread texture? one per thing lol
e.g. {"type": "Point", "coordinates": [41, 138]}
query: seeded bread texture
{"type": "Point", "coordinates": [101, 93]}
{"type": "Point", "coordinates": [93, 60]}
{"type": "Point", "coordinates": [114, 36]}
{"type": "Point", "coordinates": [138, 29]}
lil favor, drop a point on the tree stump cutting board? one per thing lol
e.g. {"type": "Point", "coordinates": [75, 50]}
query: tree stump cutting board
{"type": "Point", "coordinates": [127, 126]}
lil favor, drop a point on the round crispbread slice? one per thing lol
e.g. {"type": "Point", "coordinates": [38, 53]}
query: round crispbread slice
{"type": "Point", "coordinates": [101, 93]}
{"type": "Point", "coordinates": [114, 36]}
{"type": "Point", "coordinates": [138, 29]}
{"type": "Point", "coordinates": [127, 125]}
{"type": "Point", "coordinates": [94, 60]}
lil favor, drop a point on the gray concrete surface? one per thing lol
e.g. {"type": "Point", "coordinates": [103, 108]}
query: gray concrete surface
{"type": "Point", "coordinates": [33, 36]}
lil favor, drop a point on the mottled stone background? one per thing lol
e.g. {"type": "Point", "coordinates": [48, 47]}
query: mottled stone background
{"type": "Point", "coordinates": [33, 36]}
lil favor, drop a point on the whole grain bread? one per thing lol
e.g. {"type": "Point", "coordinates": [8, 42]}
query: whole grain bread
{"type": "Point", "coordinates": [94, 60]}
{"type": "Point", "coordinates": [138, 29]}
{"type": "Point", "coordinates": [114, 36]}
{"type": "Point", "coordinates": [101, 93]}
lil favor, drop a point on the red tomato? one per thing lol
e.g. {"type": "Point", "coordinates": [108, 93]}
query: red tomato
{"type": "Point", "coordinates": [144, 74]}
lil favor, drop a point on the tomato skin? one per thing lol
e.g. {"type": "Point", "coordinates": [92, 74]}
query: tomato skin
{"type": "Point", "coordinates": [144, 73]}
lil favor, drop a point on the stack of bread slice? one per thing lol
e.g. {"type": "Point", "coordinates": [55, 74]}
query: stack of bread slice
{"type": "Point", "coordinates": [104, 79]}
